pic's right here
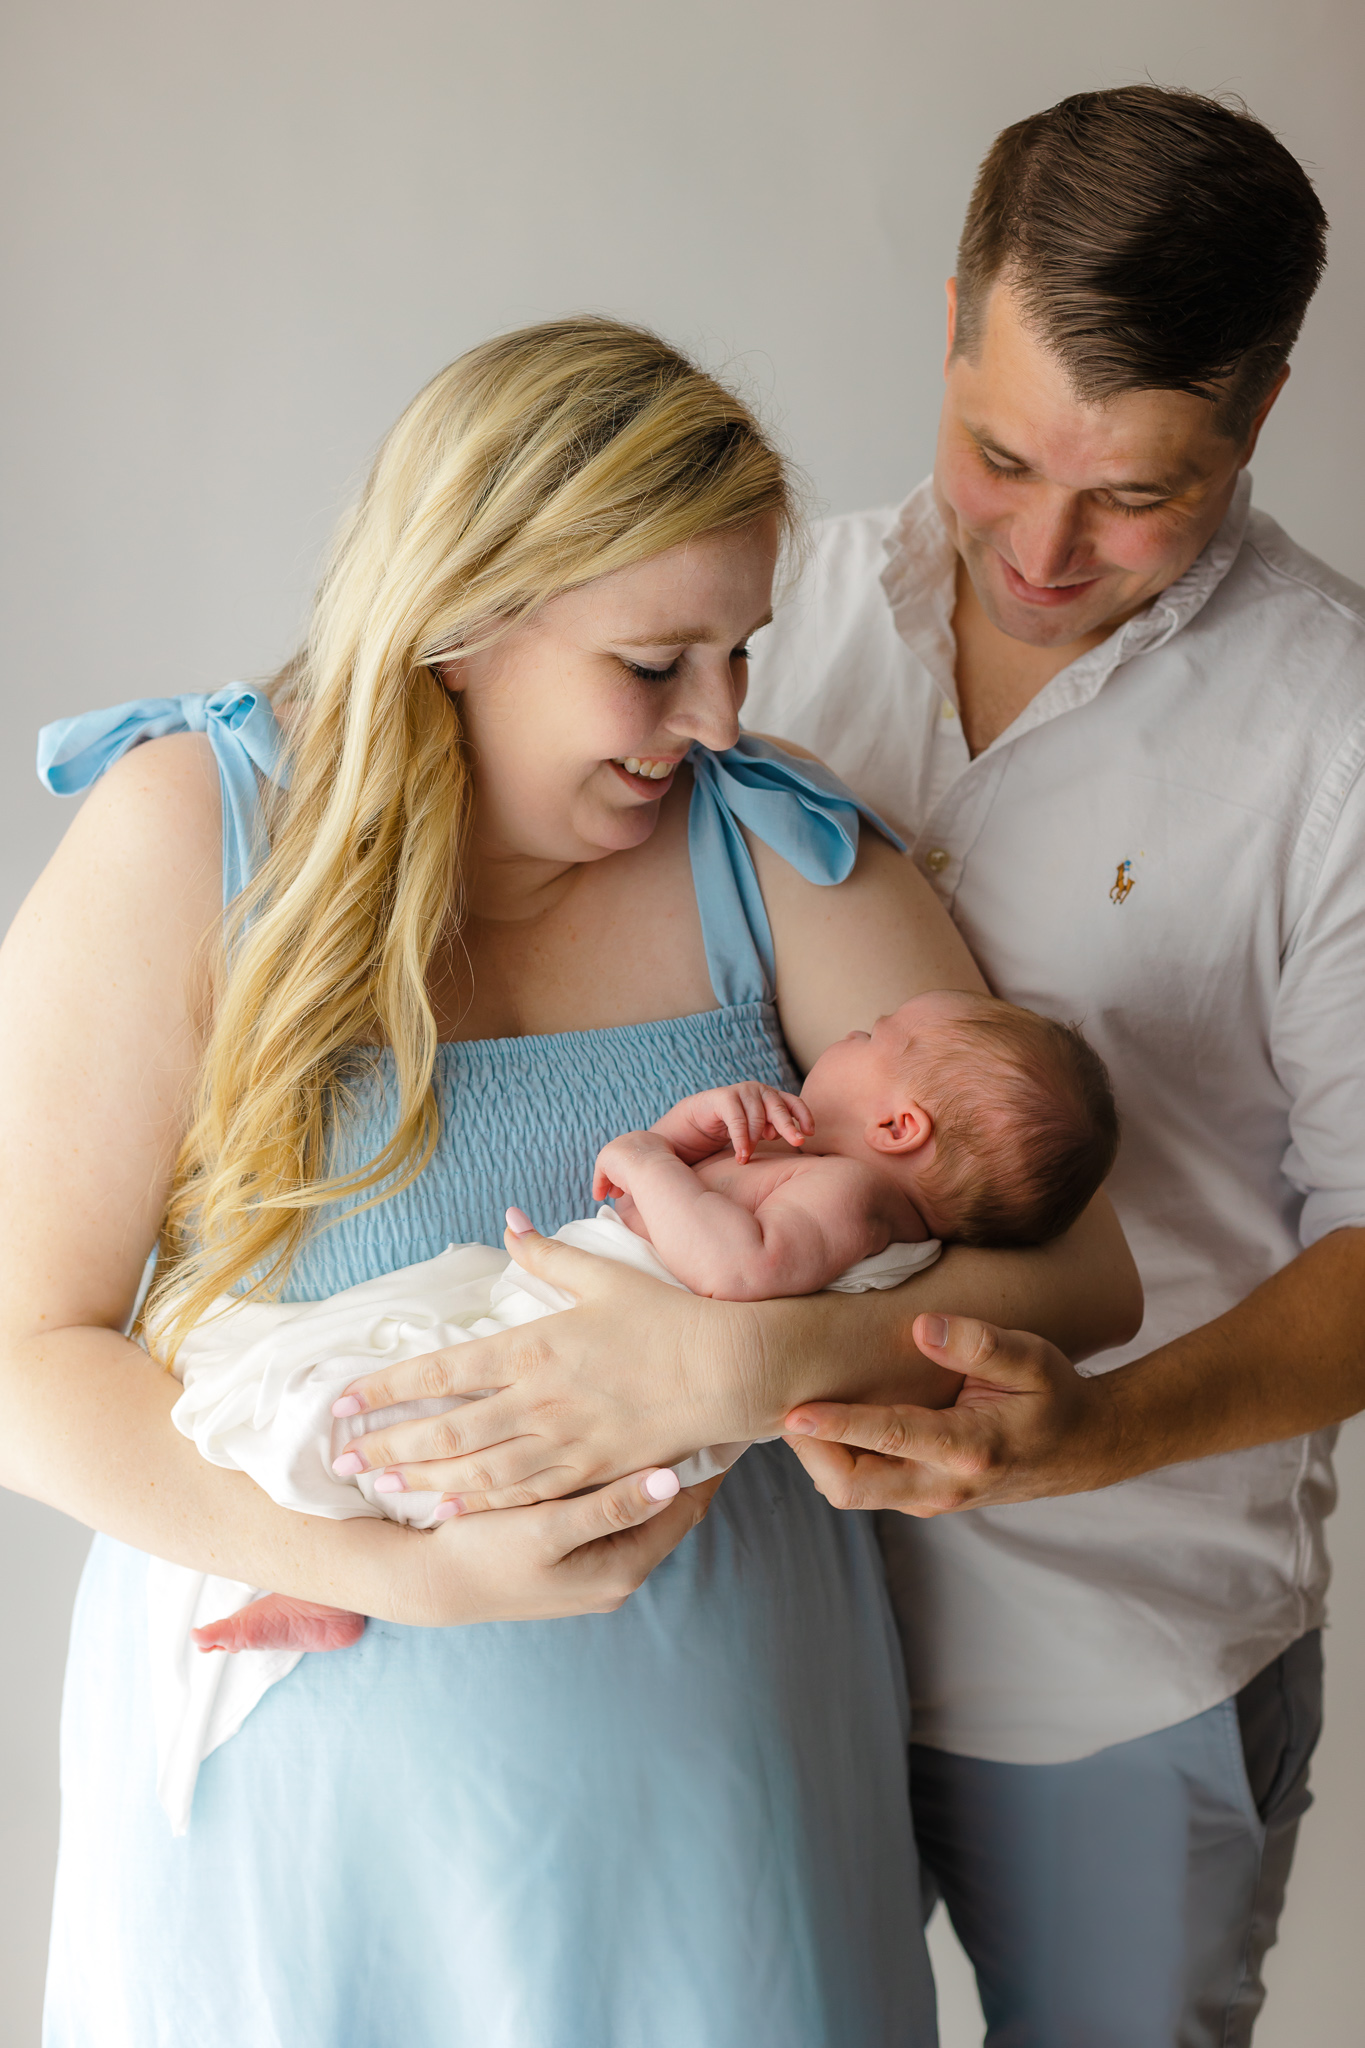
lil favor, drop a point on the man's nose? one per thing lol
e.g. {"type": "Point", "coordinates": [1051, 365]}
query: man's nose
{"type": "Point", "coordinates": [1048, 540]}
{"type": "Point", "coordinates": [708, 710]}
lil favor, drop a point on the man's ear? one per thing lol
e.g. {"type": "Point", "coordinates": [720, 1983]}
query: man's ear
{"type": "Point", "coordinates": [903, 1130]}
{"type": "Point", "coordinates": [1276, 388]}
{"type": "Point", "coordinates": [951, 289]}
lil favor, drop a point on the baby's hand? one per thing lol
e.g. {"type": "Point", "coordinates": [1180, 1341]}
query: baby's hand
{"type": "Point", "coordinates": [612, 1173]}
{"type": "Point", "coordinates": [740, 1116]}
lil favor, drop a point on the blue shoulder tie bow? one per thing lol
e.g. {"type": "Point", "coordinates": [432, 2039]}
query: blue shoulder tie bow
{"type": "Point", "coordinates": [753, 784]}
{"type": "Point", "coordinates": [241, 728]}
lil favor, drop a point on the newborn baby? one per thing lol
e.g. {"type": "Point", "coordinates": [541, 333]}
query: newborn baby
{"type": "Point", "coordinates": [957, 1117]}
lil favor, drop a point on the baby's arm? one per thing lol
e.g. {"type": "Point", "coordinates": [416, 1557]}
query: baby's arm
{"type": "Point", "coordinates": [817, 1222]}
{"type": "Point", "coordinates": [739, 1116]}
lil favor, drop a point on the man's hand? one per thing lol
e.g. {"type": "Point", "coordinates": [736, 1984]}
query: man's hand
{"type": "Point", "coordinates": [740, 1116]}
{"type": "Point", "coordinates": [1287, 1360]}
{"type": "Point", "coordinates": [1024, 1423]}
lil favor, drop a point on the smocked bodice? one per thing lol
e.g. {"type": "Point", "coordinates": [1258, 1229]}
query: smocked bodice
{"type": "Point", "coordinates": [522, 1120]}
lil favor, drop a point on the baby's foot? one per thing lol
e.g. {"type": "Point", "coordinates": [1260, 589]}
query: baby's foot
{"type": "Point", "coordinates": [279, 1623]}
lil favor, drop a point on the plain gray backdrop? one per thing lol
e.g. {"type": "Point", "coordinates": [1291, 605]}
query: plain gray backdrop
{"type": "Point", "coordinates": [241, 237]}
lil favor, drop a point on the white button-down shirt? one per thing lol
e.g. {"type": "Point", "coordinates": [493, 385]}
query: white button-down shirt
{"type": "Point", "coordinates": [1168, 846]}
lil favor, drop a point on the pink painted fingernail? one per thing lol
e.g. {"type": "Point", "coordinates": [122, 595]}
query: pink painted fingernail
{"type": "Point", "coordinates": [347, 1405]}
{"type": "Point", "coordinates": [519, 1223]}
{"type": "Point", "coordinates": [348, 1464]}
{"type": "Point", "coordinates": [444, 1509]}
{"type": "Point", "coordinates": [390, 1482]}
{"type": "Point", "coordinates": [661, 1485]}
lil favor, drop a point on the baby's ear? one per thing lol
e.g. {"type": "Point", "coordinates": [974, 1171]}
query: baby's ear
{"type": "Point", "coordinates": [903, 1130]}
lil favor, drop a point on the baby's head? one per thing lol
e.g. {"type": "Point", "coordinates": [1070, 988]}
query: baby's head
{"type": "Point", "coordinates": [999, 1124]}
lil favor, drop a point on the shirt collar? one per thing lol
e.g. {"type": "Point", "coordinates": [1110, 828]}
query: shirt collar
{"type": "Point", "coordinates": [920, 581]}
{"type": "Point", "coordinates": [920, 584]}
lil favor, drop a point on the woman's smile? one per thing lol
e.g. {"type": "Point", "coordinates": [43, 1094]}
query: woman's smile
{"type": "Point", "coordinates": [648, 776]}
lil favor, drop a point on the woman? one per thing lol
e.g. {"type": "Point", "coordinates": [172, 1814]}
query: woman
{"type": "Point", "coordinates": [477, 944]}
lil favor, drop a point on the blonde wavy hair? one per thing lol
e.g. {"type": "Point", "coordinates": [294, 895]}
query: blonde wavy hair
{"type": "Point", "coordinates": [532, 465]}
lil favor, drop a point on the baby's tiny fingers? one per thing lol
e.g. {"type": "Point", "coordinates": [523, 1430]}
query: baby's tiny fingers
{"type": "Point", "coordinates": [797, 1110]}
{"type": "Point", "coordinates": [783, 1121]}
{"type": "Point", "coordinates": [737, 1127]}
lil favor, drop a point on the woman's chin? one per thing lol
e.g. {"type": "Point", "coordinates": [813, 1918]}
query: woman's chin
{"type": "Point", "coordinates": [616, 831]}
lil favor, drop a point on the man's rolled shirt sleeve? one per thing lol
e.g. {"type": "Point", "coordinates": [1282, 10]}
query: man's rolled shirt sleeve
{"type": "Point", "coordinates": [1318, 1022]}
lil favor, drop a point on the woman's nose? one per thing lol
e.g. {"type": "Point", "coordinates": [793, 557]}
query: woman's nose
{"type": "Point", "coordinates": [708, 710]}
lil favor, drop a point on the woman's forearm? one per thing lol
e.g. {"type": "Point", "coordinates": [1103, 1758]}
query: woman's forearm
{"type": "Point", "coordinates": [1081, 1292]}
{"type": "Point", "coordinates": [88, 1431]}
{"type": "Point", "coordinates": [638, 1372]}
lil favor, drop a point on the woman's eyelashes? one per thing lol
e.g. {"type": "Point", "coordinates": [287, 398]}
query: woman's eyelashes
{"type": "Point", "coordinates": [653, 675]}
{"type": "Point", "coordinates": [665, 675]}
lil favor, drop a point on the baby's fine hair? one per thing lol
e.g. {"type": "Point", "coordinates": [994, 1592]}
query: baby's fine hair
{"type": "Point", "coordinates": [1026, 1124]}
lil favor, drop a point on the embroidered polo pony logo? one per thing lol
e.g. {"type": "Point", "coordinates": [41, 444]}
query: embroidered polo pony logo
{"type": "Point", "coordinates": [1123, 883]}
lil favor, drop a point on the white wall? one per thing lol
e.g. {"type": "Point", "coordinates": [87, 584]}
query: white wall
{"type": "Point", "coordinates": [242, 236]}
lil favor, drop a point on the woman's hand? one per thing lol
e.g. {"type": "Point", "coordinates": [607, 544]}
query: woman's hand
{"type": "Point", "coordinates": [581, 1556]}
{"type": "Point", "coordinates": [635, 1373]}
{"type": "Point", "coordinates": [1025, 1423]}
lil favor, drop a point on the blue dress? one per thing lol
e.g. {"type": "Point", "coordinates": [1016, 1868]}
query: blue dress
{"type": "Point", "coordinates": [683, 1825]}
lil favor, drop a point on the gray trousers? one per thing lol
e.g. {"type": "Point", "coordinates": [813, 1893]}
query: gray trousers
{"type": "Point", "coordinates": [1127, 1900]}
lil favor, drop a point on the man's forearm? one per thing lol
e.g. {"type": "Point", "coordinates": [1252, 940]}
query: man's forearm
{"type": "Point", "coordinates": [1287, 1360]}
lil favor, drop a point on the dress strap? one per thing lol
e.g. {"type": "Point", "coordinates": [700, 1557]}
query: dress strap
{"type": "Point", "coordinates": [795, 806]}
{"type": "Point", "coordinates": [242, 730]}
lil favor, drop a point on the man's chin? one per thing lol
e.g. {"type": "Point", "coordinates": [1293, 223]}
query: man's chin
{"type": "Point", "coordinates": [1059, 628]}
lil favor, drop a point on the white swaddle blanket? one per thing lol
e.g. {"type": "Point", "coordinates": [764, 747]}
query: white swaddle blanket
{"type": "Point", "coordinates": [259, 1382]}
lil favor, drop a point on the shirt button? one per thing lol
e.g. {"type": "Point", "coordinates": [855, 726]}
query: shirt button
{"type": "Point", "coordinates": [937, 859]}
{"type": "Point", "coordinates": [945, 710]}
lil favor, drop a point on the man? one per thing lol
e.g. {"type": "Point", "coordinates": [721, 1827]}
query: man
{"type": "Point", "coordinates": [1120, 718]}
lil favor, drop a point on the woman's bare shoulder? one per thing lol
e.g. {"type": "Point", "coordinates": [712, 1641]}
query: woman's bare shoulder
{"type": "Point", "coordinates": [137, 881]}
{"type": "Point", "coordinates": [157, 814]}
{"type": "Point", "coordinates": [850, 952]}
{"type": "Point", "coordinates": [179, 769]}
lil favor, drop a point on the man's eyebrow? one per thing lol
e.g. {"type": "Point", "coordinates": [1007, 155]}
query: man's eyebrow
{"type": "Point", "coordinates": [681, 636]}
{"type": "Point", "coordinates": [1166, 487]}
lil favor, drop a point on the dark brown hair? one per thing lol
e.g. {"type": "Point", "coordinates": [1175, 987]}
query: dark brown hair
{"type": "Point", "coordinates": [1026, 1124]}
{"type": "Point", "coordinates": [1157, 240]}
